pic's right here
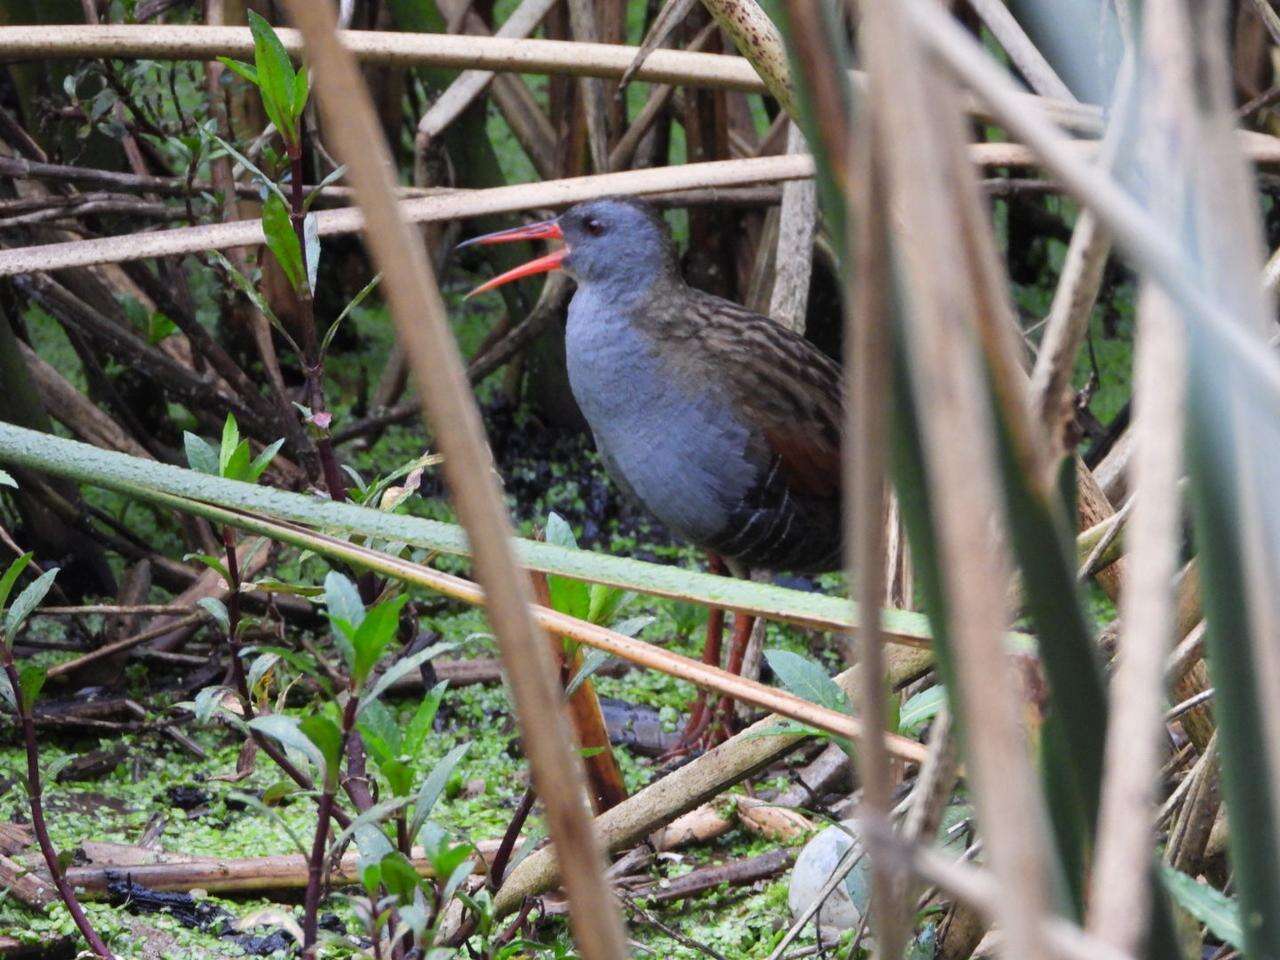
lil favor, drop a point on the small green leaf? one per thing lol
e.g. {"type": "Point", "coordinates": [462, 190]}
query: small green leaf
{"type": "Point", "coordinates": [283, 241]}
{"type": "Point", "coordinates": [592, 661]}
{"type": "Point", "coordinates": [1214, 909]}
{"type": "Point", "coordinates": [258, 670]}
{"type": "Point", "coordinates": [7, 693]}
{"type": "Point", "coordinates": [605, 603]}
{"type": "Point", "coordinates": [415, 734]}
{"type": "Point", "coordinates": [263, 460]}
{"type": "Point", "coordinates": [31, 679]}
{"type": "Point", "coordinates": [402, 668]}
{"type": "Point", "coordinates": [808, 679]}
{"type": "Point", "coordinates": [324, 733]}
{"type": "Point", "coordinates": [27, 601]}
{"type": "Point", "coordinates": [216, 609]}
{"type": "Point", "coordinates": [244, 70]}
{"type": "Point", "coordinates": [567, 596]}
{"type": "Point", "coordinates": [200, 456]}
{"type": "Point", "coordinates": [212, 562]}
{"type": "Point", "coordinates": [433, 786]}
{"type": "Point", "coordinates": [159, 327]}
{"type": "Point", "coordinates": [238, 466]}
{"type": "Point", "coordinates": [398, 876]}
{"type": "Point", "coordinates": [286, 731]}
{"type": "Point", "coordinates": [301, 90]}
{"type": "Point", "coordinates": [230, 442]}
{"type": "Point", "coordinates": [920, 709]}
{"type": "Point", "coordinates": [374, 635]}
{"type": "Point", "coordinates": [6, 480]}
{"type": "Point", "coordinates": [11, 577]}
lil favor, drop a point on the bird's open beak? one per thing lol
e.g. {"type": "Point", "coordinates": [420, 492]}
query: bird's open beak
{"type": "Point", "coordinates": [545, 230]}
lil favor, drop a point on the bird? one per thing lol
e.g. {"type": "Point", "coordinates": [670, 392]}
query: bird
{"type": "Point", "coordinates": [723, 423]}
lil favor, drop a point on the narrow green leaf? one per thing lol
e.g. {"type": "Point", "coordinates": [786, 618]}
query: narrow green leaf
{"type": "Point", "coordinates": [808, 680]}
{"type": "Point", "coordinates": [6, 480]}
{"type": "Point", "coordinates": [326, 736]}
{"type": "Point", "coordinates": [374, 635]}
{"type": "Point", "coordinates": [11, 575]}
{"type": "Point", "coordinates": [243, 70]}
{"type": "Point", "coordinates": [263, 460]}
{"type": "Point", "coordinates": [402, 668]}
{"type": "Point", "coordinates": [592, 661]}
{"type": "Point", "coordinates": [283, 241]}
{"type": "Point", "coordinates": [218, 610]}
{"type": "Point", "coordinates": [213, 563]}
{"type": "Point", "coordinates": [434, 786]}
{"type": "Point", "coordinates": [415, 734]}
{"type": "Point", "coordinates": [286, 731]}
{"type": "Point", "coordinates": [28, 600]}
{"type": "Point", "coordinates": [230, 441]}
{"type": "Point", "coordinates": [920, 709]}
{"type": "Point", "coordinates": [275, 76]}
{"type": "Point", "coordinates": [1211, 907]}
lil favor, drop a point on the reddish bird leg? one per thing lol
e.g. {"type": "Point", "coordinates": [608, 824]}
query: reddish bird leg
{"type": "Point", "coordinates": [742, 626]}
{"type": "Point", "coordinates": [699, 714]}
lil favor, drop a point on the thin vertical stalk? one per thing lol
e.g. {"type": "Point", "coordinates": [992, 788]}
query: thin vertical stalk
{"type": "Point", "coordinates": [312, 362]}
{"type": "Point", "coordinates": [1120, 902]}
{"type": "Point", "coordinates": [320, 843]}
{"type": "Point", "coordinates": [35, 797]}
{"type": "Point", "coordinates": [868, 300]}
{"type": "Point", "coordinates": [419, 314]}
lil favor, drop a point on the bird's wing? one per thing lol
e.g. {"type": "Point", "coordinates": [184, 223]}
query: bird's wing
{"type": "Point", "coordinates": [786, 386]}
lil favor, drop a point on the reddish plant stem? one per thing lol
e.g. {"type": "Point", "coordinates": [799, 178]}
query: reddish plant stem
{"type": "Point", "coordinates": [35, 797]}
{"type": "Point", "coordinates": [312, 362]}
{"type": "Point", "coordinates": [503, 855]}
{"type": "Point", "coordinates": [315, 862]}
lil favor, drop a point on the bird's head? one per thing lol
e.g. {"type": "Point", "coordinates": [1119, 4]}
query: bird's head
{"type": "Point", "coordinates": [609, 241]}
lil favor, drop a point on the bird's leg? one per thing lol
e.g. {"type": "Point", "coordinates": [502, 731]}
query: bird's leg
{"type": "Point", "coordinates": [742, 626]}
{"type": "Point", "coordinates": [699, 715]}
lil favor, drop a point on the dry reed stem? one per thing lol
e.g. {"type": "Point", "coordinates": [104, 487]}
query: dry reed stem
{"type": "Point", "coordinates": [1119, 902]}
{"type": "Point", "coordinates": [409, 286]}
{"type": "Point", "coordinates": [608, 61]}
{"type": "Point", "coordinates": [868, 300]}
{"type": "Point", "coordinates": [919, 123]}
{"type": "Point", "coordinates": [471, 83]}
{"type": "Point", "coordinates": [1029, 60]}
{"type": "Point", "coordinates": [462, 203]}
{"type": "Point", "coordinates": [982, 889]}
{"type": "Point", "coordinates": [793, 264]}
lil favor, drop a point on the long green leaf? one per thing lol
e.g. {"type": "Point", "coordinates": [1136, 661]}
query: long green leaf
{"type": "Point", "coordinates": [137, 477]}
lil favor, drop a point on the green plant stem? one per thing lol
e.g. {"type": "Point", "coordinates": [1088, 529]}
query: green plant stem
{"type": "Point", "coordinates": [35, 797]}
{"type": "Point", "coordinates": [325, 809]}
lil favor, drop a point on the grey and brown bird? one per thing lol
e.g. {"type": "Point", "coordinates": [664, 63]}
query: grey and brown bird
{"type": "Point", "coordinates": [723, 423]}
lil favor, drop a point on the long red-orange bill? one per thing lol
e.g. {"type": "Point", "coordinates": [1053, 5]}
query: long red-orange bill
{"type": "Point", "coordinates": [543, 230]}
{"type": "Point", "coordinates": [545, 264]}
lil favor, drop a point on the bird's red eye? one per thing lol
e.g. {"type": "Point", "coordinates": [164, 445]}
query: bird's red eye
{"type": "Point", "coordinates": [594, 226]}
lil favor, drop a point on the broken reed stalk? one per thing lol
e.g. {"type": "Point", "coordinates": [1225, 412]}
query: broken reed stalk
{"type": "Point", "coordinates": [411, 292]}
{"type": "Point", "coordinates": [604, 777]}
{"type": "Point", "coordinates": [35, 799]}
